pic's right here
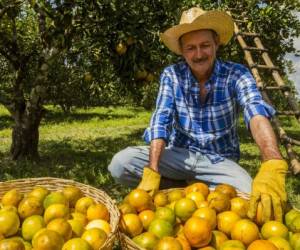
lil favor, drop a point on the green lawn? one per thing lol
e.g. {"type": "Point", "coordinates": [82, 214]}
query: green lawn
{"type": "Point", "coordinates": [80, 146]}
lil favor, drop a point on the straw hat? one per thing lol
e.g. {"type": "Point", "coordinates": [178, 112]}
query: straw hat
{"type": "Point", "coordinates": [197, 19]}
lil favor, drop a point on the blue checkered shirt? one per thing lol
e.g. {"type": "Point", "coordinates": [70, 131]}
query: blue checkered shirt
{"type": "Point", "coordinates": [210, 127]}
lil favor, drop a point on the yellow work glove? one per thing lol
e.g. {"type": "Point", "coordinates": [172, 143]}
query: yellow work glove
{"type": "Point", "coordinates": [268, 187]}
{"type": "Point", "coordinates": [150, 181]}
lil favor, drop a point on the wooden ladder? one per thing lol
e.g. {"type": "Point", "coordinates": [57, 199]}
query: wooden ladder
{"type": "Point", "coordinates": [268, 65]}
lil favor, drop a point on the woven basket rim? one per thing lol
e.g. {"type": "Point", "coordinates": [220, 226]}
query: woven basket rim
{"type": "Point", "coordinates": [110, 203]}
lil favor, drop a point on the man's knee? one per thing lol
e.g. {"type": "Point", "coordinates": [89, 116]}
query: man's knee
{"type": "Point", "coordinates": [116, 166]}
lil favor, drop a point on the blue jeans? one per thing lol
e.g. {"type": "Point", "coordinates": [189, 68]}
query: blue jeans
{"type": "Point", "coordinates": [178, 164]}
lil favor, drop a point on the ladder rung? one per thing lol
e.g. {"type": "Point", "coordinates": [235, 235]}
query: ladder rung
{"type": "Point", "coordinates": [260, 66]}
{"type": "Point", "coordinates": [240, 21]}
{"type": "Point", "coordinates": [275, 88]}
{"type": "Point", "coordinates": [240, 33]}
{"type": "Point", "coordinates": [289, 112]}
{"type": "Point", "coordinates": [255, 49]}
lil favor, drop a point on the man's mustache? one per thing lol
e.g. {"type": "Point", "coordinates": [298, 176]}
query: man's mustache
{"type": "Point", "coordinates": [199, 60]}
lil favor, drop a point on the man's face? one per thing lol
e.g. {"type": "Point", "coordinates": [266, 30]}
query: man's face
{"type": "Point", "coordinates": [199, 50]}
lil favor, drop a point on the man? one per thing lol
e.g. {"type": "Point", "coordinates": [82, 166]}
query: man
{"type": "Point", "coordinates": [193, 130]}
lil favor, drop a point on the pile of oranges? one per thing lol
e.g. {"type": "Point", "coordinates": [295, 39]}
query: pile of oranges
{"type": "Point", "coordinates": [198, 218]}
{"type": "Point", "coordinates": [44, 220]}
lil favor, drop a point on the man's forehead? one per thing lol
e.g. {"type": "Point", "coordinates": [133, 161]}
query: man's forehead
{"type": "Point", "coordinates": [202, 35]}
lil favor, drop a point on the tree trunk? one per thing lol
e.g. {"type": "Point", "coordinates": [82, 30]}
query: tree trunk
{"type": "Point", "coordinates": [25, 133]}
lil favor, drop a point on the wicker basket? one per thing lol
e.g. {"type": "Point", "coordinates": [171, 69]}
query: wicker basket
{"type": "Point", "coordinates": [128, 244]}
{"type": "Point", "coordinates": [55, 184]}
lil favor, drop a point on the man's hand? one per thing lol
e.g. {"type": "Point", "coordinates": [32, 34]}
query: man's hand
{"type": "Point", "coordinates": [268, 187]}
{"type": "Point", "coordinates": [150, 181]}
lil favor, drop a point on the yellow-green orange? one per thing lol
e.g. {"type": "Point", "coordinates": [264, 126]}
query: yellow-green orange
{"type": "Point", "coordinates": [30, 206]}
{"type": "Point", "coordinates": [11, 198]}
{"type": "Point", "coordinates": [55, 198]}
{"type": "Point", "coordinates": [56, 211]}
{"type": "Point", "coordinates": [47, 239]}
{"type": "Point", "coordinates": [9, 223]}
{"type": "Point", "coordinates": [95, 237]}
{"type": "Point", "coordinates": [31, 225]}
{"type": "Point", "coordinates": [76, 244]}
{"type": "Point", "coordinates": [73, 194]}
{"type": "Point", "coordinates": [61, 226]}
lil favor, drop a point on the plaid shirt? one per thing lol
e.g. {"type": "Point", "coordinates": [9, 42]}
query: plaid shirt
{"type": "Point", "coordinates": [210, 127]}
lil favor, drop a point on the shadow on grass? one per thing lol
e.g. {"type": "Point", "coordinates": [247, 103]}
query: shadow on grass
{"type": "Point", "coordinates": [5, 121]}
{"type": "Point", "coordinates": [85, 161]}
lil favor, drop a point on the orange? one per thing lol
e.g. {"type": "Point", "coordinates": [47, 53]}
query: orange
{"type": "Point", "coordinates": [47, 239]}
{"type": "Point", "coordinates": [226, 221]}
{"type": "Point", "coordinates": [295, 241]}
{"type": "Point", "coordinates": [197, 231]}
{"type": "Point", "coordinates": [55, 198]}
{"type": "Point", "coordinates": [218, 238]}
{"type": "Point", "coordinates": [102, 224]}
{"type": "Point", "coordinates": [280, 243]}
{"type": "Point", "coordinates": [218, 201]}
{"type": "Point", "coordinates": [146, 217]}
{"type": "Point", "coordinates": [175, 195]}
{"type": "Point", "coordinates": [11, 244]}
{"type": "Point", "coordinates": [203, 204]}
{"type": "Point", "coordinates": [73, 194]}
{"type": "Point", "coordinates": [245, 231]}
{"type": "Point", "coordinates": [9, 223]}
{"type": "Point", "coordinates": [95, 237]}
{"type": "Point", "coordinates": [295, 224]}
{"type": "Point", "coordinates": [77, 227]}
{"type": "Point", "coordinates": [168, 243]}
{"type": "Point", "coordinates": [161, 228]}
{"type": "Point", "coordinates": [232, 245]}
{"type": "Point", "coordinates": [97, 211]}
{"type": "Point", "coordinates": [39, 192]}
{"type": "Point", "coordinates": [11, 198]}
{"type": "Point", "coordinates": [197, 197]}
{"type": "Point", "coordinates": [131, 224]}
{"type": "Point", "coordinates": [160, 199]}
{"type": "Point", "coordinates": [79, 216]}
{"type": "Point", "coordinates": [274, 228]}
{"type": "Point", "coordinates": [262, 245]}
{"type": "Point", "coordinates": [121, 48]}
{"type": "Point", "coordinates": [226, 189]}
{"type": "Point", "coordinates": [208, 214]}
{"type": "Point", "coordinates": [165, 213]}
{"type": "Point", "coordinates": [126, 208]}
{"type": "Point", "coordinates": [139, 199]}
{"type": "Point", "coordinates": [30, 206]}
{"type": "Point", "coordinates": [146, 240]}
{"type": "Point", "coordinates": [31, 225]}
{"type": "Point", "coordinates": [184, 208]}
{"type": "Point", "coordinates": [171, 205]}
{"type": "Point", "coordinates": [76, 244]}
{"type": "Point", "coordinates": [240, 206]}
{"type": "Point", "coordinates": [83, 204]}
{"type": "Point", "coordinates": [61, 226]}
{"type": "Point", "coordinates": [290, 216]}
{"type": "Point", "coordinates": [198, 187]}
{"type": "Point", "coordinates": [184, 242]}
{"type": "Point", "coordinates": [55, 211]}
{"type": "Point", "coordinates": [9, 208]}
{"type": "Point", "coordinates": [206, 248]}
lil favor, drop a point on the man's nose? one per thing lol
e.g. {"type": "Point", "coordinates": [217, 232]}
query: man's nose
{"type": "Point", "coordinates": [199, 52]}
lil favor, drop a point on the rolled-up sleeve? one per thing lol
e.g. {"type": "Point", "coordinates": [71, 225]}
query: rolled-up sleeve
{"type": "Point", "coordinates": [250, 98]}
{"type": "Point", "coordinates": [162, 117]}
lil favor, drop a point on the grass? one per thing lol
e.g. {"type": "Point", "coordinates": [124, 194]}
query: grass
{"type": "Point", "coordinates": [80, 146]}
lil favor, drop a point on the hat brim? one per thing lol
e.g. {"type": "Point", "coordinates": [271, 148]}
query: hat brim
{"type": "Point", "coordinates": [218, 21]}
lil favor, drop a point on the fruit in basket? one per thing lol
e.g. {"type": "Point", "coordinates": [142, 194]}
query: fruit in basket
{"type": "Point", "coordinates": [140, 200]}
{"type": "Point", "coordinates": [9, 208]}
{"type": "Point", "coordinates": [168, 243]}
{"type": "Point", "coordinates": [102, 224]}
{"type": "Point", "coordinates": [61, 226]}
{"type": "Point", "coordinates": [218, 238]}
{"type": "Point", "coordinates": [245, 231]}
{"type": "Point", "coordinates": [226, 221]}
{"type": "Point", "coordinates": [232, 245]}
{"type": "Point", "coordinates": [126, 208]}
{"type": "Point", "coordinates": [290, 216]}
{"type": "Point", "coordinates": [184, 208]}
{"type": "Point", "coordinates": [146, 217]}
{"type": "Point", "coordinates": [273, 229]}
{"type": "Point", "coordinates": [197, 231]}
{"type": "Point", "coordinates": [161, 228]}
{"type": "Point", "coordinates": [77, 227]}
{"type": "Point", "coordinates": [72, 194]}
{"type": "Point", "coordinates": [39, 192]}
{"type": "Point", "coordinates": [208, 214]}
{"type": "Point", "coordinates": [83, 204]}
{"type": "Point", "coordinates": [131, 224]}
{"type": "Point", "coordinates": [207, 248]}
{"type": "Point", "coordinates": [56, 211]}
{"type": "Point", "coordinates": [11, 244]}
{"type": "Point", "coordinates": [146, 240]}
{"type": "Point", "coordinates": [295, 241]}
{"type": "Point", "coordinates": [280, 243]}
{"type": "Point", "coordinates": [47, 239]}
{"type": "Point", "coordinates": [95, 237]}
{"type": "Point", "coordinates": [262, 245]}
{"type": "Point", "coordinates": [11, 198]}
{"type": "Point", "coordinates": [30, 206]}
{"type": "Point", "coordinates": [55, 198]}
{"type": "Point", "coordinates": [165, 213]}
{"type": "Point", "coordinates": [175, 195]}
{"type": "Point", "coordinates": [226, 189]}
{"type": "Point", "coordinates": [240, 206]}
{"type": "Point", "coordinates": [79, 216]}
{"type": "Point", "coordinates": [160, 199]}
{"type": "Point", "coordinates": [198, 187]}
{"type": "Point", "coordinates": [197, 197]}
{"type": "Point", "coordinates": [76, 244]}
{"type": "Point", "coordinates": [31, 225]}
{"type": "Point", "coordinates": [9, 223]}
{"type": "Point", "coordinates": [97, 211]}
{"type": "Point", "coordinates": [295, 224]}
{"type": "Point", "coordinates": [184, 242]}
{"type": "Point", "coordinates": [218, 201]}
